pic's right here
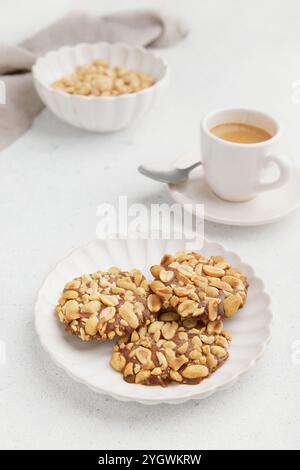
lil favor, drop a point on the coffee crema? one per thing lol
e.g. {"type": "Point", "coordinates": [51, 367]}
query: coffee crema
{"type": "Point", "coordinates": [240, 133]}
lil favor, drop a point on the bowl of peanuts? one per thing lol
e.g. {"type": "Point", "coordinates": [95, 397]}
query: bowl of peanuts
{"type": "Point", "coordinates": [100, 87]}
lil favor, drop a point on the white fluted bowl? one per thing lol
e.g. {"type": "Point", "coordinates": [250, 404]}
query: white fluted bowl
{"type": "Point", "coordinates": [98, 113]}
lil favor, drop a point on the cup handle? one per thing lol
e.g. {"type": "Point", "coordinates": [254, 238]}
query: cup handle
{"type": "Point", "coordinates": [285, 173]}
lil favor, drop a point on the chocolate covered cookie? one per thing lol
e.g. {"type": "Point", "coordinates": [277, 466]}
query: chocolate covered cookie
{"type": "Point", "coordinates": [167, 351]}
{"type": "Point", "coordinates": [196, 286]}
{"type": "Point", "coordinates": [103, 305]}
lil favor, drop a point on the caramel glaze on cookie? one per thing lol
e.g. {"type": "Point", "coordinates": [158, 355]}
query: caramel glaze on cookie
{"type": "Point", "coordinates": [196, 286]}
{"type": "Point", "coordinates": [164, 351]}
{"type": "Point", "coordinates": [103, 305]}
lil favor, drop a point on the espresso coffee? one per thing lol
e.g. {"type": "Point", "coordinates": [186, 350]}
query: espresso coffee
{"type": "Point", "coordinates": [240, 133]}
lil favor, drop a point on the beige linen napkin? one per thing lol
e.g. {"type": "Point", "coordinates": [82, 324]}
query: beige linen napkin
{"type": "Point", "coordinates": [139, 28]}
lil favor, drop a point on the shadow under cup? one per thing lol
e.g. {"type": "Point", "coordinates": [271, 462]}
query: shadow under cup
{"type": "Point", "coordinates": [233, 170]}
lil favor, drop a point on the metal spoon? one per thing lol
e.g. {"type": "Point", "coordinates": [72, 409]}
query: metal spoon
{"type": "Point", "coordinates": [177, 175]}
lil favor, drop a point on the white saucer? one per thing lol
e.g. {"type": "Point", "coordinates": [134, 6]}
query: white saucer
{"type": "Point", "coordinates": [267, 207]}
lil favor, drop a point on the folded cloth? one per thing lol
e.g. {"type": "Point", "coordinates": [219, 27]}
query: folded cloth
{"type": "Point", "coordinates": [137, 28]}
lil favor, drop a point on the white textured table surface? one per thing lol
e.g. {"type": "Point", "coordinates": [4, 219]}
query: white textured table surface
{"type": "Point", "coordinates": [51, 182]}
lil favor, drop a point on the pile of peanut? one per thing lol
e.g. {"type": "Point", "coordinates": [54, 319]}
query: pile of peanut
{"type": "Point", "coordinates": [99, 79]}
{"type": "Point", "coordinates": [170, 329]}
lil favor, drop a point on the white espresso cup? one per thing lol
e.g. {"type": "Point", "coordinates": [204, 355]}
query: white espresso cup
{"type": "Point", "coordinates": [234, 170]}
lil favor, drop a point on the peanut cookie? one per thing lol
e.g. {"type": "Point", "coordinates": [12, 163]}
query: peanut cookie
{"type": "Point", "coordinates": [167, 351]}
{"type": "Point", "coordinates": [105, 304]}
{"type": "Point", "coordinates": [197, 286]}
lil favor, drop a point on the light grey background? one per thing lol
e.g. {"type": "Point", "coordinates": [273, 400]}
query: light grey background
{"type": "Point", "coordinates": [51, 181]}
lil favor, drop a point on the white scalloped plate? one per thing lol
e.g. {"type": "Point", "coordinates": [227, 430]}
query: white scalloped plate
{"type": "Point", "coordinates": [88, 363]}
